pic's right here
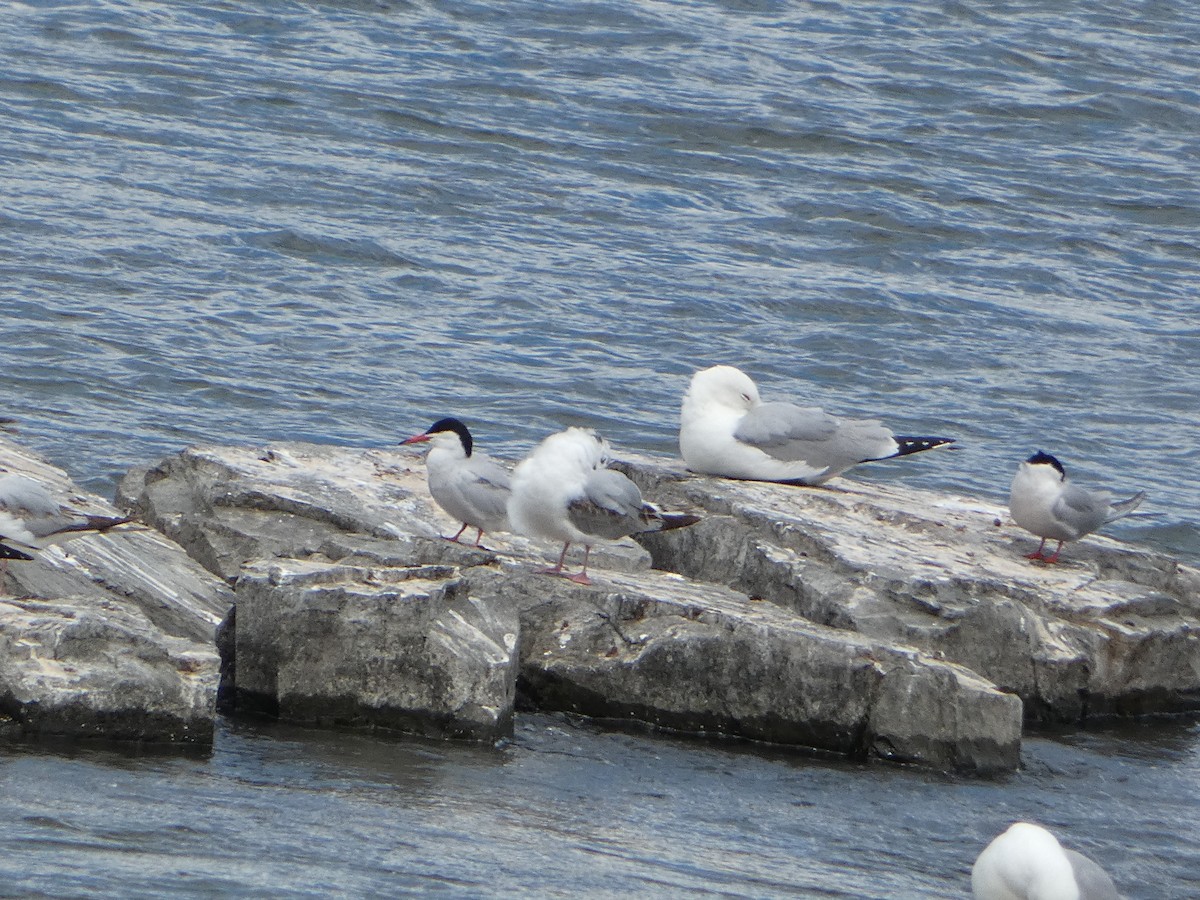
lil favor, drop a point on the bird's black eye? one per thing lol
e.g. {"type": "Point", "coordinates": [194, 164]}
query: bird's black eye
{"type": "Point", "coordinates": [746, 397]}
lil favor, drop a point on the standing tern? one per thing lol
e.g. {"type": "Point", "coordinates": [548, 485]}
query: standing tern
{"type": "Point", "coordinates": [1044, 502]}
{"type": "Point", "coordinates": [30, 518]}
{"type": "Point", "coordinates": [563, 491]}
{"type": "Point", "coordinates": [470, 486]}
{"type": "Point", "coordinates": [1028, 863]}
{"type": "Point", "coordinates": [726, 430]}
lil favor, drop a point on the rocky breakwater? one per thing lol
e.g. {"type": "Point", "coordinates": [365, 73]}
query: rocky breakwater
{"type": "Point", "coordinates": [351, 609]}
{"type": "Point", "coordinates": [106, 637]}
{"type": "Point", "coordinates": [1110, 630]}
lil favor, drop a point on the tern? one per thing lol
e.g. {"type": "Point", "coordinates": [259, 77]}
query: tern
{"type": "Point", "coordinates": [472, 487]}
{"type": "Point", "coordinates": [30, 518]}
{"type": "Point", "coordinates": [563, 491]}
{"type": "Point", "coordinates": [1045, 503]}
{"type": "Point", "coordinates": [726, 430]}
{"type": "Point", "coordinates": [1028, 863]}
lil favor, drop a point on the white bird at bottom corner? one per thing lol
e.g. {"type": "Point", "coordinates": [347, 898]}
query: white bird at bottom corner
{"type": "Point", "coordinates": [563, 491]}
{"type": "Point", "coordinates": [1027, 862]}
{"type": "Point", "coordinates": [1045, 503]}
{"type": "Point", "coordinates": [472, 487]}
{"type": "Point", "coordinates": [30, 519]}
{"type": "Point", "coordinates": [726, 430]}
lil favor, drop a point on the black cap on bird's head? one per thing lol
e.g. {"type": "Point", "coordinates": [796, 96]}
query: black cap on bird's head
{"type": "Point", "coordinates": [1045, 459]}
{"type": "Point", "coordinates": [447, 424]}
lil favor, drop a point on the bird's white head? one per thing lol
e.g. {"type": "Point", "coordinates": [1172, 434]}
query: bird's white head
{"type": "Point", "coordinates": [579, 448]}
{"type": "Point", "coordinates": [722, 387]}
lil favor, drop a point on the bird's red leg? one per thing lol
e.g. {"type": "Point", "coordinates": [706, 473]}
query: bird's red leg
{"type": "Point", "coordinates": [557, 569]}
{"type": "Point", "coordinates": [1057, 550]}
{"type": "Point", "coordinates": [457, 536]}
{"type": "Point", "coordinates": [582, 576]}
{"type": "Point", "coordinates": [1037, 554]}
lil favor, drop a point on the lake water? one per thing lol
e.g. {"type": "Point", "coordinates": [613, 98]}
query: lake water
{"type": "Point", "coordinates": [341, 221]}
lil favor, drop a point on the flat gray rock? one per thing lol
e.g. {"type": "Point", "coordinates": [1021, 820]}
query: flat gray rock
{"type": "Point", "coordinates": [107, 637]}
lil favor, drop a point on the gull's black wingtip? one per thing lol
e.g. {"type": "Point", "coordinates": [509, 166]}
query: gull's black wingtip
{"type": "Point", "coordinates": [909, 445]}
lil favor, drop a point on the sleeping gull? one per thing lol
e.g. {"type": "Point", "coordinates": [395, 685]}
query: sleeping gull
{"type": "Point", "coordinates": [563, 491]}
{"type": "Point", "coordinates": [470, 486]}
{"type": "Point", "coordinates": [1028, 863]}
{"type": "Point", "coordinates": [1044, 502]}
{"type": "Point", "coordinates": [726, 430]}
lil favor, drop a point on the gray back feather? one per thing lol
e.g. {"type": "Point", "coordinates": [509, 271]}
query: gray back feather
{"type": "Point", "coordinates": [1081, 510]}
{"type": "Point", "coordinates": [609, 506]}
{"type": "Point", "coordinates": [25, 497]}
{"type": "Point", "coordinates": [778, 424]}
{"type": "Point", "coordinates": [1093, 881]}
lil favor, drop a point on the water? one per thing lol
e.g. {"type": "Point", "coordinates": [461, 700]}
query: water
{"type": "Point", "coordinates": [564, 810]}
{"type": "Point", "coordinates": [341, 221]}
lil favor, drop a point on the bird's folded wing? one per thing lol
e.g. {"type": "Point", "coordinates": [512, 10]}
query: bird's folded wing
{"type": "Point", "coordinates": [778, 424]}
{"type": "Point", "coordinates": [491, 489]}
{"type": "Point", "coordinates": [1081, 510]}
{"type": "Point", "coordinates": [608, 506]}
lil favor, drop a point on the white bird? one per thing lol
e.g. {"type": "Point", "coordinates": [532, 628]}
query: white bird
{"type": "Point", "coordinates": [30, 518]}
{"type": "Point", "coordinates": [563, 491]}
{"type": "Point", "coordinates": [726, 430]}
{"type": "Point", "coordinates": [1044, 502]}
{"type": "Point", "coordinates": [1028, 863]}
{"type": "Point", "coordinates": [472, 487]}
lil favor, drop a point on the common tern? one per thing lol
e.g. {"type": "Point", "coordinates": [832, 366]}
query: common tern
{"type": "Point", "coordinates": [472, 487]}
{"type": "Point", "coordinates": [1028, 863]}
{"type": "Point", "coordinates": [30, 518]}
{"type": "Point", "coordinates": [563, 491]}
{"type": "Point", "coordinates": [725, 429]}
{"type": "Point", "coordinates": [1044, 502]}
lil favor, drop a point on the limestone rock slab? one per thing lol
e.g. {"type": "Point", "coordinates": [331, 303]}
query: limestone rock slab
{"type": "Point", "coordinates": [1110, 630]}
{"type": "Point", "coordinates": [107, 637]}
{"type": "Point", "coordinates": [385, 647]}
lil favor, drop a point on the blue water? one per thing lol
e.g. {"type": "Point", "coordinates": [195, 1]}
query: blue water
{"type": "Point", "coordinates": [341, 221]}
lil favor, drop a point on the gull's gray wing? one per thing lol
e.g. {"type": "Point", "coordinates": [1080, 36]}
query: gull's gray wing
{"type": "Point", "coordinates": [1093, 881]}
{"type": "Point", "coordinates": [610, 506]}
{"type": "Point", "coordinates": [799, 433]}
{"type": "Point", "coordinates": [778, 424]}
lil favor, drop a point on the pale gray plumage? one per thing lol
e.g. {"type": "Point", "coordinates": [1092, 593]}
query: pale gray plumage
{"type": "Point", "coordinates": [29, 515]}
{"type": "Point", "coordinates": [1045, 503]}
{"type": "Point", "coordinates": [725, 429]}
{"type": "Point", "coordinates": [30, 518]}
{"type": "Point", "coordinates": [563, 491]}
{"type": "Point", "coordinates": [470, 486]}
{"type": "Point", "coordinates": [1027, 862]}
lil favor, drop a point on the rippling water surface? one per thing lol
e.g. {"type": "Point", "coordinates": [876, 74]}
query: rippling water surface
{"type": "Point", "coordinates": [238, 222]}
